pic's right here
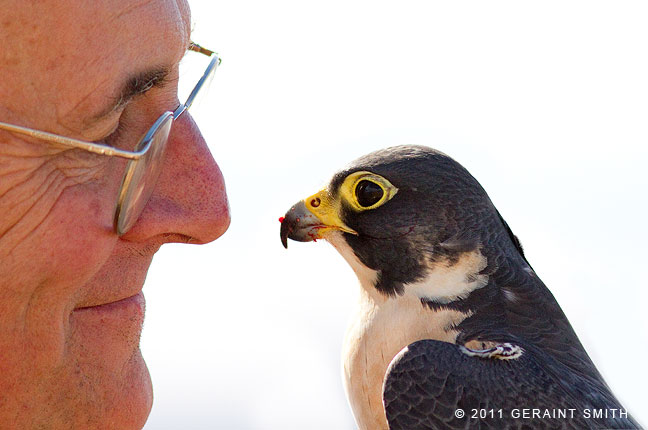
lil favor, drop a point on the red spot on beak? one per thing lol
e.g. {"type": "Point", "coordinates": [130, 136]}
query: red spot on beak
{"type": "Point", "coordinates": [281, 219]}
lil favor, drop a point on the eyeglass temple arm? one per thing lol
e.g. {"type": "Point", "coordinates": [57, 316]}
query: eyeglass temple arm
{"type": "Point", "coordinates": [70, 142]}
{"type": "Point", "coordinates": [197, 48]}
{"type": "Point", "coordinates": [215, 62]}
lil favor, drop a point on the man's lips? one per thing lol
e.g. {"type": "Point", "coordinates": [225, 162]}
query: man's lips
{"type": "Point", "coordinates": [121, 278]}
{"type": "Point", "coordinates": [136, 299]}
{"type": "Point", "coordinates": [109, 328]}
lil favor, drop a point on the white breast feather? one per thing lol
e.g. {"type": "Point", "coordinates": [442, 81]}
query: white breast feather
{"type": "Point", "coordinates": [383, 326]}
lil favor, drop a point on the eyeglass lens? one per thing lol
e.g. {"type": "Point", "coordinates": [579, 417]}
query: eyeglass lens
{"type": "Point", "coordinates": [141, 176]}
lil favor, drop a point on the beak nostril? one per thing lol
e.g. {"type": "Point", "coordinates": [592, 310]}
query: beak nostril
{"type": "Point", "coordinates": [315, 202]}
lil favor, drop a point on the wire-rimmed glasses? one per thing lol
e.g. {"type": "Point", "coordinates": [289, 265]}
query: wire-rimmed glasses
{"type": "Point", "coordinates": [145, 161]}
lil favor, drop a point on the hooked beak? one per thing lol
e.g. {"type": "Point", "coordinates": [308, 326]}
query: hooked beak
{"type": "Point", "coordinates": [299, 224]}
{"type": "Point", "coordinates": [310, 219]}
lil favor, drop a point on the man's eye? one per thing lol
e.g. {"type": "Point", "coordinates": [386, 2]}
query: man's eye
{"type": "Point", "coordinates": [120, 138]}
{"type": "Point", "coordinates": [113, 138]}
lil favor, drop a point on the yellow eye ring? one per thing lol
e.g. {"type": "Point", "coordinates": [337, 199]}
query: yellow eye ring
{"type": "Point", "coordinates": [366, 190]}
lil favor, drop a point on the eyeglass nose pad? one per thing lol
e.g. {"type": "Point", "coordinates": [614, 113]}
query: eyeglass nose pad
{"type": "Point", "coordinates": [179, 110]}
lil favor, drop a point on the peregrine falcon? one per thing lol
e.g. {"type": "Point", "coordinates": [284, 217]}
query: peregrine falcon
{"type": "Point", "coordinates": [454, 328]}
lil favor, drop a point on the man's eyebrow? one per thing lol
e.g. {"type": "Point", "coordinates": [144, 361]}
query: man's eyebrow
{"type": "Point", "coordinates": [134, 85]}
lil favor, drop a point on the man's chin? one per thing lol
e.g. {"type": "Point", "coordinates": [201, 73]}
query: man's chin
{"type": "Point", "coordinates": [134, 402]}
{"type": "Point", "coordinates": [84, 395]}
{"type": "Point", "coordinates": [104, 350]}
{"type": "Point", "coordinates": [125, 402]}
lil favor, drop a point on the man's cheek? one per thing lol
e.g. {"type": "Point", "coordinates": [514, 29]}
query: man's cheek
{"type": "Point", "coordinates": [49, 252]}
{"type": "Point", "coordinates": [31, 190]}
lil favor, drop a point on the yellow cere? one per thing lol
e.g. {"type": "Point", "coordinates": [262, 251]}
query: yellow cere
{"type": "Point", "coordinates": [327, 211]}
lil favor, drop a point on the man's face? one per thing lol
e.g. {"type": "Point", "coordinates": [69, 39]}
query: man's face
{"type": "Point", "coordinates": [71, 308]}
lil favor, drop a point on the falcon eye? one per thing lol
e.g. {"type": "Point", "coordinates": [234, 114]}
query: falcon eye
{"type": "Point", "coordinates": [364, 191]}
{"type": "Point", "coordinates": [368, 193]}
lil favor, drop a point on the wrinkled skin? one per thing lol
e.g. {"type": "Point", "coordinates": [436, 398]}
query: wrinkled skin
{"type": "Point", "coordinates": [62, 61]}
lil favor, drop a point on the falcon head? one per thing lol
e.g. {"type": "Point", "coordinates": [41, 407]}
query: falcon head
{"type": "Point", "coordinates": [399, 214]}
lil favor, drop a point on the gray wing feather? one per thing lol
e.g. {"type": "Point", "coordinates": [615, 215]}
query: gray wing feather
{"type": "Point", "coordinates": [429, 380]}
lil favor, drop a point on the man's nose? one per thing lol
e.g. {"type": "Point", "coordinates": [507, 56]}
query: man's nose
{"type": "Point", "coordinates": [189, 203]}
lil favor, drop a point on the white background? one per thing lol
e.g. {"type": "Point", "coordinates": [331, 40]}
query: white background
{"type": "Point", "coordinates": [545, 103]}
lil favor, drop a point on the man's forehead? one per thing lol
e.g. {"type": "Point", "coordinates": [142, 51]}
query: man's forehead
{"type": "Point", "coordinates": [31, 16]}
{"type": "Point", "coordinates": [73, 53]}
